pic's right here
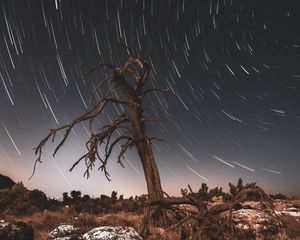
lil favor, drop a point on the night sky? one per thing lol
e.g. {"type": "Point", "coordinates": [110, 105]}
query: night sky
{"type": "Point", "coordinates": [232, 67]}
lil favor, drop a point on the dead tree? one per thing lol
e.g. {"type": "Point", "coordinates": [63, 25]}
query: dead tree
{"type": "Point", "coordinates": [130, 80]}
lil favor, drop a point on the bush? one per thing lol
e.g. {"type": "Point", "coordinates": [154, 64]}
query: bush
{"type": "Point", "coordinates": [20, 201]}
{"type": "Point", "coordinates": [278, 196]}
{"type": "Point", "coordinates": [76, 195]}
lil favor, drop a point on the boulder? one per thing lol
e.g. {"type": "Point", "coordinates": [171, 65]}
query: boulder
{"type": "Point", "coordinates": [15, 231]}
{"type": "Point", "coordinates": [65, 232]}
{"type": "Point", "coordinates": [112, 233]}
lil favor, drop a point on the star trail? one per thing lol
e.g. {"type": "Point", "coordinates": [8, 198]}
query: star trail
{"type": "Point", "coordinates": [232, 68]}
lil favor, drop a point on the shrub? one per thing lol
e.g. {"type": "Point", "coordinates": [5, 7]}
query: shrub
{"type": "Point", "coordinates": [278, 196]}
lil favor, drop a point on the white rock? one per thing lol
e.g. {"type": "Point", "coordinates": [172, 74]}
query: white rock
{"type": "Point", "coordinates": [3, 224]}
{"type": "Point", "coordinates": [291, 213]}
{"type": "Point", "coordinates": [112, 233]}
{"type": "Point", "coordinates": [62, 231]}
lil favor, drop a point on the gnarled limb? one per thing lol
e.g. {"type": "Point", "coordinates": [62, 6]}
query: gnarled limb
{"type": "Point", "coordinates": [205, 215]}
{"type": "Point", "coordinates": [95, 111]}
{"type": "Point", "coordinates": [160, 90]}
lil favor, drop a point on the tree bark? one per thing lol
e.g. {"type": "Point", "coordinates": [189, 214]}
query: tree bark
{"type": "Point", "coordinates": [150, 169]}
{"type": "Point", "coordinates": [144, 149]}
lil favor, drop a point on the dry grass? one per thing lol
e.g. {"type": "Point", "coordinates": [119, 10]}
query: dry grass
{"type": "Point", "coordinates": [44, 222]}
{"type": "Point", "coordinates": [121, 218]}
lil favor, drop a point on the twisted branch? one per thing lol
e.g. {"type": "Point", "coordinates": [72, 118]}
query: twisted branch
{"type": "Point", "coordinates": [94, 112]}
{"type": "Point", "coordinates": [205, 215]}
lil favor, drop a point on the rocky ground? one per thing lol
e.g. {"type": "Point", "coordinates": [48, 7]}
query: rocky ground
{"type": "Point", "coordinates": [250, 221]}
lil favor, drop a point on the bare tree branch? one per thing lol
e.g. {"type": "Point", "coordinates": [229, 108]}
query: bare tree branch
{"type": "Point", "coordinates": [161, 90]}
{"type": "Point", "coordinates": [155, 138]}
{"type": "Point", "coordinates": [129, 144]}
{"type": "Point", "coordinates": [97, 109]}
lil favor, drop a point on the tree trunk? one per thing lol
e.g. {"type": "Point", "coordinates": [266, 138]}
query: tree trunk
{"type": "Point", "coordinates": [144, 149]}
{"type": "Point", "coordinates": [150, 169]}
{"type": "Point", "coordinates": [156, 216]}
